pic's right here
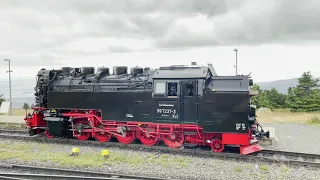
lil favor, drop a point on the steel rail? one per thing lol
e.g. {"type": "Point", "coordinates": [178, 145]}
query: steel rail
{"type": "Point", "coordinates": [298, 158]}
{"type": "Point", "coordinates": [294, 158]}
{"type": "Point", "coordinates": [47, 176]}
{"type": "Point", "coordinates": [290, 153]}
{"type": "Point", "coordinates": [11, 178]}
{"type": "Point", "coordinates": [12, 131]}
{"type": "Point", "coordinates": [57, 173]}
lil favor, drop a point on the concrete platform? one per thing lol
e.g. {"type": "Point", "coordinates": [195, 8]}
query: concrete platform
{"type": "Point", "coordinates": [12, 121]}
{"type": "Point", "coordinates": [272, 141]}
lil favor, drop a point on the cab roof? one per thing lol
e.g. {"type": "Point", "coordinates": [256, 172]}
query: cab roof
{"type": "Point", "coordinates": [184, 72]}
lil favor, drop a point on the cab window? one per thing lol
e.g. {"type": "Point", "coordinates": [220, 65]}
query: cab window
{"type": "Point", "coordinates": [160, 88]}
{"type": "Point", "coordinates": [172, 89]}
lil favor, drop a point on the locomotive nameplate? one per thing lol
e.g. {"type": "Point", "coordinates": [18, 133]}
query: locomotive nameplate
{"type": "Point", "coordinates": [167, 110]}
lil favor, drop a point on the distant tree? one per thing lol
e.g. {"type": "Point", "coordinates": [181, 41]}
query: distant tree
{"type": "Point", "coordinates": [306, 95]}
{"type": "Point", "coordinates": [276, 99]}
{"type": "Point", "coordinates": [26, 107]}
{"type": "Point", "coordinates": [268, 99]}
{"type": "Point", "coordinates": [264, 100]}
{"type": "Point", "coordinates": [2, 99]}
{"type": "Point", "coordinates": [255, 99]}
{"type": "Point", "coordinates": [261, 100]}
{"type": "Point", "coordinates": [291, 101]}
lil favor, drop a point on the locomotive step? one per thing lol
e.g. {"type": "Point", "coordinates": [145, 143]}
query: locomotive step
{"type": "Point", "coordinates": [189, 145]}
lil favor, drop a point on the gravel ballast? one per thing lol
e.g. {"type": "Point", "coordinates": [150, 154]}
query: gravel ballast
{"type": "Point", "coordinates": [296, 137]}
{"type": "Point", "coordinates": [143, 163]}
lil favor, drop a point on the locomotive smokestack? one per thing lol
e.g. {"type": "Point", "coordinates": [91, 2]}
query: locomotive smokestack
{"type": "Point", "coordinates": [193, 63]}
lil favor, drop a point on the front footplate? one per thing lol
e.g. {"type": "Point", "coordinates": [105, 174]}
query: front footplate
{"type": "Point", "coordinates": [250, 149]}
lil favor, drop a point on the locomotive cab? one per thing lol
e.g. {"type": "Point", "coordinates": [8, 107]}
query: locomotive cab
{"type": "Point", "coordinates": [175, 93]}
{"type": "Point", "coordinates": [175, 100]}
{"type": "Point", "coordinates": [220, 105]}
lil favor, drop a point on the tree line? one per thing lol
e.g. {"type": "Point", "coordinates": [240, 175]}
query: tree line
{"type": "Point", "coordinates": [305, 97]}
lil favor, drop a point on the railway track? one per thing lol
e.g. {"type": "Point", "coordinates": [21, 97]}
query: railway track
{"type": "Point", "coordinates": [55, 173]}
{"type": "Point", "coordinates": [269, 155]}
{"type": "Point", "coordinates": [14, 131]}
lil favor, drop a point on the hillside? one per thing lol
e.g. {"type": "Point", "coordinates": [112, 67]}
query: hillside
{"type": "Point", "coordinates": [280, 85]}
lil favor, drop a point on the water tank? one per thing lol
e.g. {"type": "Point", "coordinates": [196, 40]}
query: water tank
{"type": "Point", "coordinates": [136, 70]}
{"type": "Point", "coordinates": [87, 70]}
{"type": "Point", "coordinates": [119, 70]}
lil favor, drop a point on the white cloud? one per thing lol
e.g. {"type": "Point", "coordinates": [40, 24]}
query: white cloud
{"type": "Point", "coordinates": [54, 33]}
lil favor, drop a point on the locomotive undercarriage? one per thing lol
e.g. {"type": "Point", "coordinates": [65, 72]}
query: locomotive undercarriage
{"type": "Point", "coordinates": [84, 125]}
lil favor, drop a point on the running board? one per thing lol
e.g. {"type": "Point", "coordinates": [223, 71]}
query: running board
{"type": "Point", "coordinates": [189, 145]}
{"type": "Point", "coordinates": [189, 133]}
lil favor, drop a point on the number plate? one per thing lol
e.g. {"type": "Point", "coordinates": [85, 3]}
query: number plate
{"type": "Point", "coordinates": [167, 110]}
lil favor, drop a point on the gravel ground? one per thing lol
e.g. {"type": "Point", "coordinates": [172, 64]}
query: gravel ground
{"type": "Point", "coordinates": [144, 163]}
{"type": "Point", "coordinates": [296, 137]}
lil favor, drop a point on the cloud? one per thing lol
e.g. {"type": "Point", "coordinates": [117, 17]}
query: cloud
{"type": "Point", "coordinates": [49, 31]}
{"type": "Point", "coordinates": [30, 59]}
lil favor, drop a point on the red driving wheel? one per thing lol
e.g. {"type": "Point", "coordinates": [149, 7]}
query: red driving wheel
{"type": "Point", "coordinates": [48, 134]}
{"type": "Point", "coordinates": [80, 125]}
{"type": "Point", "coordinates": [128, 138]}
{"type": "Point", "coordinates": [149, 139]}
{"type": "Point", "coordinates": [174, 140]}
{"type": "Point", "coordinates": [103, 136]}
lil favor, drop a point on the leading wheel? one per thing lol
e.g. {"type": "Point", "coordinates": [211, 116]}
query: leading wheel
{"type": "Point", "coordinates": [217, 145]}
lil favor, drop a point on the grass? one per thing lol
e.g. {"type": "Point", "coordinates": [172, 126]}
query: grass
{"type": "Point", "coordinates": [20, 111]}
{"type": "Point", "coordinates": [285, 169]}
{"type": "Point", "coordinates": [285, 116]}
{"type": "Point", "coordinates": [264, 168]}
{"type": "Point", "coordinates": [25, 151]}
{"type": "Point", "coordinates": [314, 120]}
{"type": "Point", "coordinates": [12, 126]}
{"type": "Point", "coordinates": [238, 169]}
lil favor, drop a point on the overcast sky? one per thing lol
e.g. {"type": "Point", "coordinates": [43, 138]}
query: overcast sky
{"type": "Point", "coordinates": [276, 39]}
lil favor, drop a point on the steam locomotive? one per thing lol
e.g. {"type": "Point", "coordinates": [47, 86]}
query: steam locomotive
{"type": "Point", "coordinates": [176, 104]}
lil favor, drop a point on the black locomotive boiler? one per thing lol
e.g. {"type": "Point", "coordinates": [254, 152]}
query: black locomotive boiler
{"type": "Point", "coordinates": [175, 104]}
